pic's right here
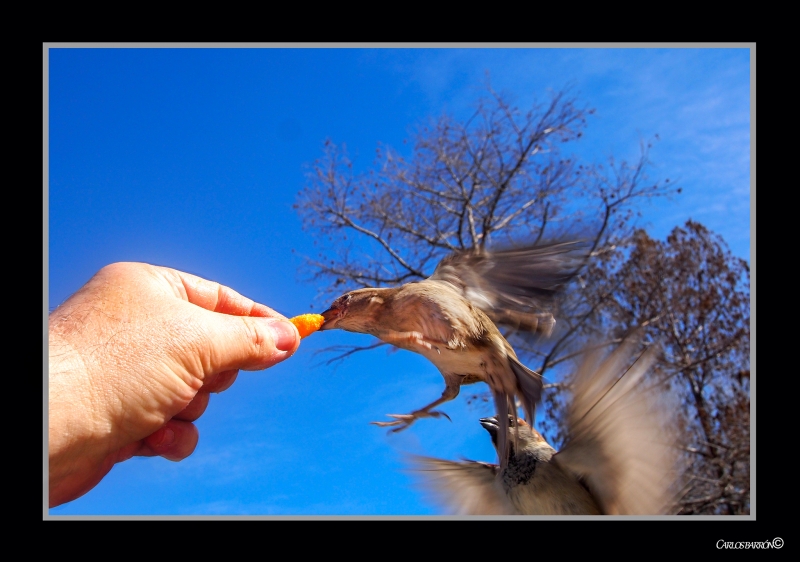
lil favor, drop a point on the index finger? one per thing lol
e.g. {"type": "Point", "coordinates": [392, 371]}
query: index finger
{"type": "Point", "coordinates": [218, 298]}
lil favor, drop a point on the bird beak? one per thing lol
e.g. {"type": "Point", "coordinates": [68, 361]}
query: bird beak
{"type": "Point", "coordinates": [331, 317]}
{"type": "Point", "coordinates": [490, 425]}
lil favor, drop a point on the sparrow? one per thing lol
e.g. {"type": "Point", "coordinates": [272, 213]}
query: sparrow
{"type": "Point", "coordinates": [619, 459]}
{"type": "Point", "coordinates": [450, 318]}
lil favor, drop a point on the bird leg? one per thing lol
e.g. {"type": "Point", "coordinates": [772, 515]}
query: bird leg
{"type": "Point", "coordinates": [404, 421]}
{"type": "Point", "coordinates": [409, 340]}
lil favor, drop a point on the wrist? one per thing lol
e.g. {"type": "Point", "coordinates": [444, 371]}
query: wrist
{"type": "Point", "coordinates": [74, 442]}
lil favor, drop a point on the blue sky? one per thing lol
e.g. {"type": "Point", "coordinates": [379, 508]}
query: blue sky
{"type": "Point", "coordinates": [192, 158]}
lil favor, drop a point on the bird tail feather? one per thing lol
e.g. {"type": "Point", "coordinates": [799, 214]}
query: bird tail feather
{"type": "Point", "coordinates": [530, 386]}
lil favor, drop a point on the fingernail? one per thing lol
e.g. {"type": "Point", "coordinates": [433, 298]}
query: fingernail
{"type": "Point", "coordinates": [163, 437]}
{"type": "Point", "coordinates": [284, 334]}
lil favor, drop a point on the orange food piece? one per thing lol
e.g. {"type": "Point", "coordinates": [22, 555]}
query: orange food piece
{"type": "Point", "coordinates": [307, 324]}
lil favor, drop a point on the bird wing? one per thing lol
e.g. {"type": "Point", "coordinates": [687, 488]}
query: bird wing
{"type": "Point", "coordinates": [621, 440]}
{"type": "Point", "coordinates": [514, 286]}
{"type": "Point", "coordinates": [462, 487]}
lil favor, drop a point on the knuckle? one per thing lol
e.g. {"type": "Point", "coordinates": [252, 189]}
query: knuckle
{"type": "Point", "coordinates": [256, 336]}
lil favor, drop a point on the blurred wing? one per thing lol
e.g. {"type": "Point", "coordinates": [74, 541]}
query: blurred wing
{"type": "Point", "coordinates": [515, 286]}
{"type": "Point", "coordinates": [463, 488]}
{"type": "Point", "coordinates": [621, 442]}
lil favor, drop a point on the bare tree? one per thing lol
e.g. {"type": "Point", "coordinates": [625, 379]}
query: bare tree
{"type": "Point", "coordinates": [502, 176]}
{"type": "Point", "coordinates": [498, 177]}
{"type": "Point", "coordinates": [694, 297]}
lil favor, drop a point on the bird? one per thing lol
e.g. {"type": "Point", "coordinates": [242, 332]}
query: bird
{"type": "Point", "coordinates": [451, 319]}
{"type": "Point", "coordinates": [620, 457]}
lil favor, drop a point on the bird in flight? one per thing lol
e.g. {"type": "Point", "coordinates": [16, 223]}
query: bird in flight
{"type": "Point", "coordinates": [620, 457]}
{"type": "Point", "coordinates": [451, 319]}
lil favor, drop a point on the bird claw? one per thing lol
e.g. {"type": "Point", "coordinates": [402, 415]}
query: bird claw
{"type": "Point", "coordinates": [428, 345]}
{"type": "Point", "coordinates": [405, 420]}
{"type": "Point", "coordinates": [438, 414]}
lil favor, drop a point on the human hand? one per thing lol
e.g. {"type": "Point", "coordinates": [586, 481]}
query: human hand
{"type": "Point", "coordinates": [134, 355]}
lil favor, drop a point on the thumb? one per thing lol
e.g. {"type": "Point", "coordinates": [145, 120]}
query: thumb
{"type": "Point", "coordinates": [249, 343]}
